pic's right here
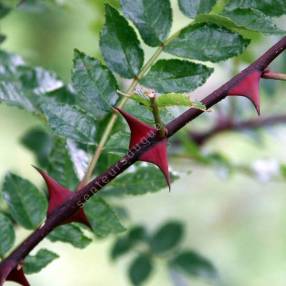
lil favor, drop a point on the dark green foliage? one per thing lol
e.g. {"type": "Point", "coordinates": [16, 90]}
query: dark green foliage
{"type": "Point", "coordinates": [253, 19]}
{"type": "Point", "coordinates": [193, 264]}
{"type": "Point", "coordinates": [7, 234]}
{"type": "Point", "coordinates": [70, 233]}
{"type": "Point", "coordinates": [140, 269]}
{"type": "Point", "coordinates": [101, 217]}
{"type": "Point", "coordinates": [176, 76]}
{"type": "Point", "coordinates": [125, 243]}
{"type": "Point", "coordinates": [216, 43]}
{"type": "Point", "coordinates": [95, 85]}
{"type": "Point", "coordinates": [35, 263]}
{"type": "Point", "coordinates": [120, 46]}
{"type": "Point", "coordinates": [40, 143]}
{"type": "Point", "coordinates": [153, 18]}
{"type": "Point", "coordinates": [144, 180]}
{"type": "Point", "coordinates": [26, 203]}
{"type": "Point", "coordinates": [192, 8]}
{"type": "Point", "coordinates": [271, 8]}
{"type": "Point", "coordinates": [167, 237]}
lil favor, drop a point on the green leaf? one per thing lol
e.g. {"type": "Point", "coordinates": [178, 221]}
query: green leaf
{"type": "Point", "coordinates": [176, 76]}
{"type": "Point", "coordinates": [70, 233]}
{"type": "Point", "coordinates": [126, 243]}
{"type": "Point", "coordinates": [102, 218]}
{"type": "Point", "coordinates": [140, 269]}
{"type": "Point", "coordinates": [253, 19]}
{"type": "Point", "coordinates": [143, 180]}
{"type": "Point", "coordinates": [270, 8]}
{"type": "Point", "coordinates": [95, 84]}
{"type": "Point", "coordinates": [120, 46]}
{"type": "Point", "coordinates": [7, 234]}
{"type": "Point", "coordinates": [153, 18]}
{"type": "Point", "coordinates": [35, 263]}
{"type": "Point", "coordinates": [38, 80]}
{"type": "Point", "coordinates": [69, 122]}
{"type": "Point", "coordinates": [192, 8]}
{"type": "Point", "coordinates": [120, 247]}
{"type": "Point", "coordinates": [167, 237]}
{"type": "Point", "coordinates": [140, 112]}
{"type": "Point", "coordinates": [40, 143]}
{"type": "Point", "coordinates": [26, 203]}
{"type": "Point", "coordinates": [60, 165]}
{"type": "Point", "coordinates": [21, 85]}
{"type": "Point", "coordinates": [207, 42]}
{"type": "Point", "coordinates": [193, 264]}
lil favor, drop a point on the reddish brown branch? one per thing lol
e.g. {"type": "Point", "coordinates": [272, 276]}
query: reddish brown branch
{"type": "Point", "coordinates": [201, 138]}
{"type": "Point", "coordinates": [72, 205]}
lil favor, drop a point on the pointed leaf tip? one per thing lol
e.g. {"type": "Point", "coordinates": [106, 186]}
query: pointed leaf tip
{"type": "Point", "coordinates": [58, 195]}
{"type": "Point", "coordinates": [157, 154]}
{"type": "Point", "coordinates": [249, 87]}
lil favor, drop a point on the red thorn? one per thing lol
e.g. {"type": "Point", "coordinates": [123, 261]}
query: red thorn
{"type": "Point", "coordinates": [249, 87]}
{"type": "Point", "coordinates": [58, 195]}
{"type": "Point", "coordinates": [157, 155]}
{"type": "Point", "coordinates": [17, 275]}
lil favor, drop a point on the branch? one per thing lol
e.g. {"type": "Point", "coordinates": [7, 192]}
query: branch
{"type": "Point", "coordinates": [68, 208]}
{"type": "Point", "coordinates": [200, 138]}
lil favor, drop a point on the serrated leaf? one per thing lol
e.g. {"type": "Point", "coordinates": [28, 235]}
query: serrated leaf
{"type": "Point", "coordinates": [38, 80]}
{"type": "Point", "coordinates": [140, 269]}
{"type": "Point", "coordinates": [60, 165]}
{"type": "Point", "coordinates": [35, 263]}
{"type": "Point", "coordinates": [69, 122]}
{"type": "Point", "coordinates": [176, 76]}
{"type": "Point", "coordinates": [216, 43]}
{"type": "Point", "coordinates": [26, 203]}
{"type": "Point", "coordinates": [21, 85]}
{"type": "Point", "coordinates": [120, 46]}
{"type": "Point", "coordinates": [70, 233]}
{"type": "Point", "coordinates": [253, 19]}
{"type": "Point", "coordinates": [193, 264]}
{"type": "Point", "coordinates": [153, 18]}
{"type": "Point", "coordinates": [270, 8]}
{"type": "Point", "coordinates": [192, 8]}
{"type": "Point", "coordinates": [167, 237]}
{"type": "Point", "coordinates": [95, 84]}
{"type": "Point", "coordinates": [143, 180]}
{"type": "Point", "coordinates": [102, 218]}
{"type": "Point", "coordinates": [7, 234]}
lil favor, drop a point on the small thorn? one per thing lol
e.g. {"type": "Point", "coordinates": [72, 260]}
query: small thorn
{"type": "Point", "coordinates": [17, 275]}
{"type": "Point", "coordinates": [249, 87]}
{"type": "Point", "coordinates": [157, 154]}
{"type": "Point", "coordinates": [58, 195]}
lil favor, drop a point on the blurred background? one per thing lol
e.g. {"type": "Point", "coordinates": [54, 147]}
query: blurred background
{"type": "Point", "coordinates": [236, 217]}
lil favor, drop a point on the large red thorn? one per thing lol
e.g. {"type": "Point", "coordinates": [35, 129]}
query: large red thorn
{"type": "Point", "coordinates": [17, 275]}
{"type": "Point", "coordinates": [157, 155]}
{"type": "Point", "coordinates": [58, 195]}
{"type": "Point", "coordinates": [249, 87]}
